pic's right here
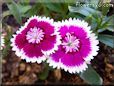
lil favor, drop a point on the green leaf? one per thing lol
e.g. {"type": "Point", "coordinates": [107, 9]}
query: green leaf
{"type": "Point", "coordinates": [86, 11]}
{"type": "Point", "coordinates": [24, 8]}
{"type": "Point", "coordinates": [106, 39]}
{"type": "Point", "coordinates": [112, 20]}
{"type": "Point", "coordinates": [70, 1]}
{"type": "Point", "coordinates": [80, 10]}
{"type": "Point", "coordinates": [73, 15]}
{"type": "Point", "coordinates": [21, 8]}
{"type": "Point", "coordinates": [103, 23]}
{"type": "Point", "coordinates": [56, 7]}
{"type": "Point", "coordinates": [33, 10]}
{"type": "Point", "coordinates": [43, 75]}
{"type": "Point", "coordinates": [105, 8]}
{"type": "Point", "coordinates": [15, 11]}
{"type": "Point", "coordinates": [111, 28]}
{"type": "Point", "coordinates": [24, 2]}
{"type": "Point", "coordinates": [107, 20]}
{"type": "Point", "coordinates": [101, 30]}
{"type": "Point", "coordinates": [91, 76]}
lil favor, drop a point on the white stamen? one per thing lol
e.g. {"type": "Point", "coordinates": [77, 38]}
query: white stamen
{"type": "Point", "coordinates": [71, 43]}
{"type": "Point", "coordinates": [35, 35]}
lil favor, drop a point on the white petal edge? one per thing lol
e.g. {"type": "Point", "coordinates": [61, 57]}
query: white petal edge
{"type": "Point", "coordinates": [70, 69]}
{"type": "Point", "coordinates": [75, 69]}
{"type": "Point", "coordinates": [75, 22]}
{"type": "Point", "coordinates": [20, 53]}
{"type": "Point", "coordinates": [53, 63]}
{"type": "Point", "coordinates": [38, 18]}
{"type": "Point", "coordinates": [58, 42]}
{"type": "Point", "coordinates": [94, 47]}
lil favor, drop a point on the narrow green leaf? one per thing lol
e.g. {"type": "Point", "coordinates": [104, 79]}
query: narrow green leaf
{"type": "Point", "coordinates": [91, 76]}
{"type": "Point", "coordinates": [73, 15]}
{"type": "Point", "coordinates": [108, 20]}
{"type": "Point", "coordinates": [15, 11]}
{"type": "Point", "coordinates": [33, 10]}
{"type": "Point", "coordinates": [112, 19]}
{"type": "Point", "coordinates": [24, 2]}
{"type": "Point", "coordinates": [70, 1]}
{"type": "Point", "coordinates": [106, 39]}
{"type": "Point", "coordinates": [93, 25]}
{"type": "Point", "coordinates": [86, 11]}
{"type": "Point", "coordinates": [56, 7]}
{"type": "Point", "coordinates": [23, 8]}
{"type": "Point", "coordinates": [79, 10]}
{"type": "Point", "coordinates": [101, 30]}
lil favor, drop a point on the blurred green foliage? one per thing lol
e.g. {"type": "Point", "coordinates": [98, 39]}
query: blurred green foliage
{"type": "Point", "coordinates": [7, 40]}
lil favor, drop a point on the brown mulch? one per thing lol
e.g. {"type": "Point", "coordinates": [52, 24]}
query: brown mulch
{"type": "Point", "coordinates": [16, 71]}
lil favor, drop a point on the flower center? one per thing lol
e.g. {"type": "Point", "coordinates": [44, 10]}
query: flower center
{"type": "Point", "coordinates": [71, 43]}
{"type": "Point", "coordinates": [35, 35]}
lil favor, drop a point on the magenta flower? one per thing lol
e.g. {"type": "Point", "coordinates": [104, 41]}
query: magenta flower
{"type": "Point", "coordinates": [36, 39]}
{"type": "Point", "coordinates": [78, 46]}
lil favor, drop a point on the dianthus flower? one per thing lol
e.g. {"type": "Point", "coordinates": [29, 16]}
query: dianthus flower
{"type": "Point", "coordinates": [78, 46]}
{"type": "Point", "coordinates": [36, 39]}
